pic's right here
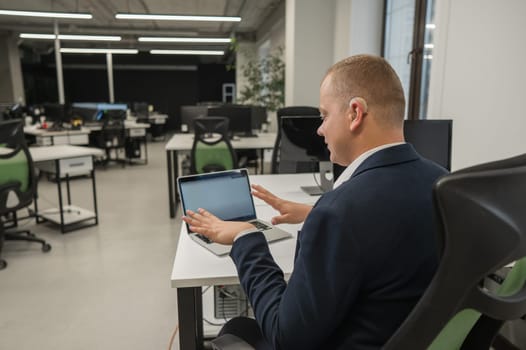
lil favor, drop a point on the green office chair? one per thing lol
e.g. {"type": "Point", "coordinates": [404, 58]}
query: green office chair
{"type": "Point", "coordinates": [211, 150]}
{"type": "Point", "coordinates": [482, 228]}
{"type": "Point", "coordinates": [17, 182]}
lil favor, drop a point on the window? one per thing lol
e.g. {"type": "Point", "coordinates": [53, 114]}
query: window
{"type": "Point", "coordinates": [408, 46]}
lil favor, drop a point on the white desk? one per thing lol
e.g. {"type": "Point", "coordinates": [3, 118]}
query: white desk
{"type": "Point", "coordinates": [45, 137]}
{"type": "Point", "coordinates": [66, 161]}
{"type": "Point", "coordinates": [183, 143]}
{"type": "Point", "coordinates": [194, 266]}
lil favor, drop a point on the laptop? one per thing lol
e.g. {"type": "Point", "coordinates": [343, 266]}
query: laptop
{"type": "Point", "coordinates": [227, 195]}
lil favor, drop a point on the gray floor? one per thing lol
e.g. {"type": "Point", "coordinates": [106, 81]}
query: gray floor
{"type": "Point", "coordinates": [103, 287]}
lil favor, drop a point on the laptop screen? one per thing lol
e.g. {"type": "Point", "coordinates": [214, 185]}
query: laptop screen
{"type": "Point", "coordinates": [225, 194]}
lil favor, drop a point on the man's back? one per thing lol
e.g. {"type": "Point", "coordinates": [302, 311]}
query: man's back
{"type": "Point", "coordinates": [365, 255]}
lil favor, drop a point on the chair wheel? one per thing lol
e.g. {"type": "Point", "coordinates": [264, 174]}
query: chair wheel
{"type": "Point", "coordinates": [46, 247]}
{"type": "Point", "coordinates": [3, 264]}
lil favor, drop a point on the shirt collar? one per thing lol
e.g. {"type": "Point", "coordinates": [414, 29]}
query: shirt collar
{"type": "Point", "coordinates": [351, 168]}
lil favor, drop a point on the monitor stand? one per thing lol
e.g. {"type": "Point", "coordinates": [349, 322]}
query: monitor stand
{"type": "Point", "coordinates": [326, 180]}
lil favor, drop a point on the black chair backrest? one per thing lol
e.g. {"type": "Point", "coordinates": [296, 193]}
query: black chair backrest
{"type": "Point", "coordinates": [288, 111]}
{"type": "Point", "coordinates": [482, 227]}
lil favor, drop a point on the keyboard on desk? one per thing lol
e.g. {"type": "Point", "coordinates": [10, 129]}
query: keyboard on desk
{"type": "Point", "coordinates": [259, 225]}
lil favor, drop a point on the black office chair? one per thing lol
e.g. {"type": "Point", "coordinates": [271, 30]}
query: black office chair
{"type": "Point", "coordinates": [211, 149]}
{"type": "Point", "coordinates": [18, 183]}
{"type": "Point", "coordinates": [482, 227]}
{"type": "Point", "coordinates": [288, 111]}
{"type": "Point", "coordinates": [112, 138]}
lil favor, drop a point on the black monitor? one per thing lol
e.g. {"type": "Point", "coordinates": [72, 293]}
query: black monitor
{"type": "Point", "coordinates": [259, 117]}
{"type": "Point", "coordinates": [188, 114]}
{"type": "Point", "coordinates": [431, 139]}
{"type": "Point", "coordinates": [240, 118]}
{"type": "Point", "coordinates": [57, 113]}
{"type": "Point", "coordinates": [141, 109]}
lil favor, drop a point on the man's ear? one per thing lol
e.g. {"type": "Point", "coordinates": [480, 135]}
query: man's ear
{"type": "Point", "coordinates": [357, 110]}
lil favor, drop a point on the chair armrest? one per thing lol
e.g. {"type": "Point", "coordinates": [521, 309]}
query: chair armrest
{"type": "Point", "coordinates": [230, 342]}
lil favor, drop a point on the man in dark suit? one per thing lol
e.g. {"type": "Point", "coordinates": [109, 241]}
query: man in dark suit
{"type": "Point", "coordinates": [366, 251]}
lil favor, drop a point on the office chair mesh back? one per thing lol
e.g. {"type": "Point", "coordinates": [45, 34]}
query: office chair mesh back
{"type": "Point", "coordinates": [482, 227]}
{"type": "Point", "coordinates": [17, 182]}
{"type": "Point", "coordinates": [17, 177]}
{"type": "Point", "coordinates": [211, 150]}
{"type": "Point", "coordinates": [290, 111]}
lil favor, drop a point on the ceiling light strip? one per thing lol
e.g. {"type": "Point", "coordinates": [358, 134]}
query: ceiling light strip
{"type": "Point", "coordinates": [186, 52]}
{"type": "Point", "coordinates": [176, 17]}
{"type": "Point", "coordinates": [89, 50]}
{"type": "Point", "coordinates": [70, 37]}
{"type": "Point", "coordinates": [183, 40]}
{"type": "Point", "coordinates": [70, 15]}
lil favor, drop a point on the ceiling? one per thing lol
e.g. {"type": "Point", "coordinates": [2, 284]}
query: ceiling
{"type": "Point", "coordinates": [253, 13]}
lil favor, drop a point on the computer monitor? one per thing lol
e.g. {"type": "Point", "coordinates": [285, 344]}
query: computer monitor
{"type": "Point", "coordinates": [141, 109]}
{"type": "Point", "coordinates": [188, 114]}
{"type": "Point", "coordinates": [56, 113]}
{"type": "Point", "coordinates": [258, 117]}
{"type": "Point", "coordinates": [303, 150]}
{"type": "Point", "coordinates": [431, 139]}
{"type": "Point", "coordinates": [240, 118]}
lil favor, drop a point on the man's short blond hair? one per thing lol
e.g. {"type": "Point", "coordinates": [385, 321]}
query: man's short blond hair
{"type": "Point", "coordinates": [373, 79]}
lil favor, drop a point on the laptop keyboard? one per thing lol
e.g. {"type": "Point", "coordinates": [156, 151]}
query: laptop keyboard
{"type": "Point", "coordinates": [260, 226]}
{"type": "Point", "coordinates": [203, 238]}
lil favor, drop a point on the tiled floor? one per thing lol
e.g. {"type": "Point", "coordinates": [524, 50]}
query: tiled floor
{"type": "Point", "coordinates": [103, 287]}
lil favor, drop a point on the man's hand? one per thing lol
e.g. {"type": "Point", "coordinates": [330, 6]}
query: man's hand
{"type": "Point", "coordinates": [290, 212]}
{"type": "Point", "coordinates": [214, 228]}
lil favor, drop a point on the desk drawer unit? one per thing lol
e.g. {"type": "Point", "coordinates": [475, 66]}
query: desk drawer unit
{"type": "Point", "coordinates": [136, 132]}
{"type": "Point", "coordinates": [71, 166]}
{"type": "Point", "coordinates": [81, 139]}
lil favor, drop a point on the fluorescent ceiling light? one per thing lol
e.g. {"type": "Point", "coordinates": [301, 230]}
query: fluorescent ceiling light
{"type": "Point", "coordinates": [71, 15]}
{"type": "Point", "coordinates": [183, 40]}
{"type": "Point", "coordinates": [116, 51]}
{"type": "Point", "coordinates": [186, 52]}
{"type": "Point", "coordinates": [176, 17]}
{"type": "Point", "coordinates": [71, 37]}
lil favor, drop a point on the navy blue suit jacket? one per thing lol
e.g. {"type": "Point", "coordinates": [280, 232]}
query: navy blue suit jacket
{"type": "Point", "coordinates": [364, 256]}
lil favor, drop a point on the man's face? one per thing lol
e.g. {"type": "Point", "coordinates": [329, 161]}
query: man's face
{"type": "Point", "coordinates": [335, 127]}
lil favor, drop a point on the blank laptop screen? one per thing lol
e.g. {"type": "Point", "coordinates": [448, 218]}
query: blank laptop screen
{"type": "Point", "coordinates": [225, 195]}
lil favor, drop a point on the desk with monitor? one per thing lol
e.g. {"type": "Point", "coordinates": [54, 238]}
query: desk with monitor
{"type": "Point", "coordinates": [182, 143]}
{"type": "Point", "coordinates": [195, 267]}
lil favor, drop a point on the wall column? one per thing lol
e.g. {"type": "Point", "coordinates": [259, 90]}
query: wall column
{"type": "Point", "coordinates": [11, 83]}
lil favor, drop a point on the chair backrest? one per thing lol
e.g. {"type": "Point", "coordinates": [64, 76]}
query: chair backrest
{"type": "Point", "coordinates": [288, 111]}
{"type": "Point", "coordinates": [113, 133]}
{"type": "Point", "coordinates": [211, 149]}
{"type": "Point", "coordinates": [482, 227]}
{"type": "Point", "coordinates": [17, 175]}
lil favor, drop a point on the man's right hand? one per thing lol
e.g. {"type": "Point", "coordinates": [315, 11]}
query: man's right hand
{"type": "Point", "coordinates": [290, 212]}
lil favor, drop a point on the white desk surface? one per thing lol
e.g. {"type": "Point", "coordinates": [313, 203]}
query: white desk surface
{"type": "Point", "coordinates": [195, 266]}
{"type": "Point", "coordinates": [128, 124]}
{"type": "Point", "coordinates": [46, 153]}
{"type": "Point", "coordinates": [183, 142]}
{"type": "Point", "coordinates": [35, 131]}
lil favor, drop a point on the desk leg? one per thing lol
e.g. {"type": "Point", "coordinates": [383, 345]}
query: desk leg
{"type": "Point", "coordinates": [95, 209]}
{"type": "Point", "coordinates": [190, 310]}
{"type": "Point", "coordinates": [171, 199]}
{"type": "Point", "coordinates": [262, 157]}
{"type": "Point", "coordinates": [59, 187]}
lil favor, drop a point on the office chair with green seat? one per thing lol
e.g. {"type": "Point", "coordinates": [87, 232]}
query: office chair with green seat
{"type": "Point", "coordinates": [482, 227]}
{"type": "Point", "coordinates": [17, 182]}
{"type": "Point", "coordinates": [211, 149]}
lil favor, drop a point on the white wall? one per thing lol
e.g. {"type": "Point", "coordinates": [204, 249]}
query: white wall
{"type": "Point", "coordinates": [478, 77]}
